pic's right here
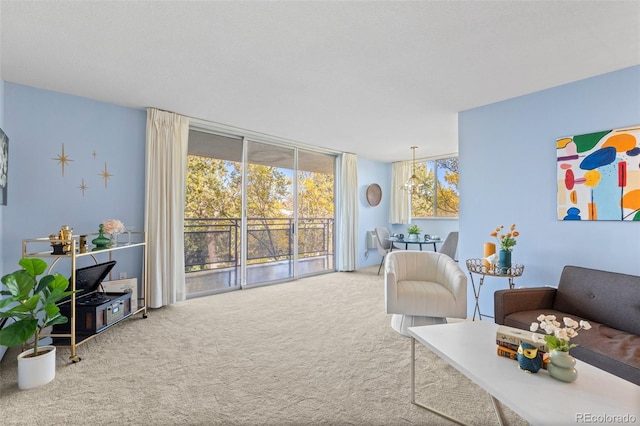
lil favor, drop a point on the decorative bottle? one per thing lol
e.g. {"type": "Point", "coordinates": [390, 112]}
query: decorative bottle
{"type": "Point", "coordinates": [101, 241]}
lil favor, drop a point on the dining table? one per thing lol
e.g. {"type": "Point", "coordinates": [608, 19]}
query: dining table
{"type": "Point", "coordinates": [419, 242]}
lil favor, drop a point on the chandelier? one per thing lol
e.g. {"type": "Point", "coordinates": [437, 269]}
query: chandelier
{"type": "Point", "coordinates": [414, 185]}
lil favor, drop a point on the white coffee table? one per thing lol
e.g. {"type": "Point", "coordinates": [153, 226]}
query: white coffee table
{"type": "Point", "coordinates": [470, 347]}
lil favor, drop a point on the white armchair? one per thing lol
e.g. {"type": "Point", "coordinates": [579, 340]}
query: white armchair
{"type": "Point", "coordinates": [423, 288]}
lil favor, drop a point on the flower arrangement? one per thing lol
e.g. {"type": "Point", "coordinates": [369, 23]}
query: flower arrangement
{"type": "Point", "coordinates": [558, 337]}
{"type": "Point", "coordinates": [506, 240]}
{"type": "Point", "coordinates": [113, 226]}
{"type": "Point", "coordinates": [413, 229]}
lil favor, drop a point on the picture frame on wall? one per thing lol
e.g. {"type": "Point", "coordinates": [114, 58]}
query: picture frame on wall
{"type": "Point", "coordinates": [4, 166]}
{"type": "Point", "coordinates": [598, 175]}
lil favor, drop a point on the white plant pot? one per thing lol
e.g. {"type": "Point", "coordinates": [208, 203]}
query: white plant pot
{"type": "Point", "coordinates": [36, 371]}
{"type": "Point", "coordinates": [413, 237]}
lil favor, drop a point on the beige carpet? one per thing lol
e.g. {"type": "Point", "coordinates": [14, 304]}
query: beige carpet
{"type": "Point", "coordinates": [316, 351]}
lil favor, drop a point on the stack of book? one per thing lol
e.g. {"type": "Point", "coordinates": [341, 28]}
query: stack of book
{"type": "Point", "coordinates": [508, 339]}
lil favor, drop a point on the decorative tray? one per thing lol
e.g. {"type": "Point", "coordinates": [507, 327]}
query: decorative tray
{"type": "Point", "coordinates": [479, 267]}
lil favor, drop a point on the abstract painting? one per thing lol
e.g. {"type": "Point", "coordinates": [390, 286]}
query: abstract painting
{"type": "Point", "coordinates": [4, 167]}
{"type": "Point", "coordinates": [599, 175]}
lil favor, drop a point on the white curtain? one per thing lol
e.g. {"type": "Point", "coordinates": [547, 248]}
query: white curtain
{"type": "Point", "coordinates": [166, 162]}
{"type": "Point", "coordinates": [399, 211]}
{"type": "Point", "coordinates": [348, 218]}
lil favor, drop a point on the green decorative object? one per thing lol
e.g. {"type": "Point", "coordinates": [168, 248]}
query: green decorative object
{"type": "Point", "coordinates": [101, 242]}
{"type": "Point", "coordinates": [562, 366]}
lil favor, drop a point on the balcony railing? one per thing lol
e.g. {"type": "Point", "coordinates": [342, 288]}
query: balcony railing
{"type": "Point", "coordinates": [214, 243]}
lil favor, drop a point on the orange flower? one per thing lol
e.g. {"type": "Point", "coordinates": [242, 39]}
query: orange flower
{"type": "Point", "coordinates": [506, 241]}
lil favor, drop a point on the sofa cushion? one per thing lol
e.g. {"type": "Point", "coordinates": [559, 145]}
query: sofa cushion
{"type": "Point", "coordinates": [604, 297]}
{"type": "Point", "coordinates": [609, 349]}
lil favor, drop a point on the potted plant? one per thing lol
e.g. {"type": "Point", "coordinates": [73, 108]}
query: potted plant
{"type": "Point", "coordinates": [413, 232]}
{"type": "Point", "coordinates": [32, 306]}
{"type": "Point", "coordinates": [506, 241]}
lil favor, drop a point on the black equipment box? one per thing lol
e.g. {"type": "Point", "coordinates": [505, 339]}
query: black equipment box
{"type": "Point", "coordinates": [95, 312]}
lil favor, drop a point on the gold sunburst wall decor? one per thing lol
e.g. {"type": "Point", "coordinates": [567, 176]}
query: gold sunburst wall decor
{"type": "Point", "coordinates": [62, 159]}
{"type": "Point", "coordinates": [105, 175]}
{"type": "Point", "coordinates": [83, 187]}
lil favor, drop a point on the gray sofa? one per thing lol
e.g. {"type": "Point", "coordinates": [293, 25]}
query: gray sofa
{"type": "Point", "coordinates": [609, 301]}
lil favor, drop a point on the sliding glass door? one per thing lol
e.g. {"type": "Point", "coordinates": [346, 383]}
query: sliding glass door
{"type": "Point", "coordinates": [255, 213]}
{"type": "Point", "coordinates": [315, 208]}
{"type": "Point", "coordinates": [213, 210]}
{"type": "Point", "coordinates": [270, 220]}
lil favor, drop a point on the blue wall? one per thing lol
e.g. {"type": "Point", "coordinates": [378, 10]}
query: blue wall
{"type": "Point", "coordinates": [508, 175]}
{"type": "Point", "coordinates": [369, 217]}
{"type": "Point", "coordinates": [41, 199]}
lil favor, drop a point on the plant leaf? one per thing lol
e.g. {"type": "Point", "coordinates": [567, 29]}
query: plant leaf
{"type": "Point", "coordinates": [44, 283]}
{"type": "Point", "coordinates": [57, 287]}
{"type": "Point", "coordinates": [19, 284]}
{"type": "Point", "coordinates": [15, 315]}
{"type": "Point", "coordinates": [28, 305]}
{"type": "Point", "coordinates": [18, 332]}
{"type": "Point", "coordinates": [51, 310]}
{"type": "Point", "coordinates": [59, 319]}
{"type": "Point", "coordinates": [5, 302]}
{"type": "Point", "coordinates": [33, 265]}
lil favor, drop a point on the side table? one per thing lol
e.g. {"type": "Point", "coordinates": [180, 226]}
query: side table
{"type": "Point", "coordinates": [477, 266]}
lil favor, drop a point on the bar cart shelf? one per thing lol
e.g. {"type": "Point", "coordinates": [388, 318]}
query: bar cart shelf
{"type": "Point", "coordinates": [46, 247]}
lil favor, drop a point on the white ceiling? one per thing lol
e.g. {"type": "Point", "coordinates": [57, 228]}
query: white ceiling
{"type": "Point", "coordinates": [373, 78]}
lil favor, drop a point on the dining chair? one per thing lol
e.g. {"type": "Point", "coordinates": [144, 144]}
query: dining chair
{"type": "Point", "coordinates": [450, 245]}
{"type": "Point", "coordinates": [383, 244]}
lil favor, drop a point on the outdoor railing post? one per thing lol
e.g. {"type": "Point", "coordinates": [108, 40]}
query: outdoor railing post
{"type": "Point", "coordinates": [292, 232]}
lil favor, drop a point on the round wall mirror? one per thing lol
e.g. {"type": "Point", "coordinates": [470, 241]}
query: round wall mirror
{"type": "Point", "coordinates": [374, 194]}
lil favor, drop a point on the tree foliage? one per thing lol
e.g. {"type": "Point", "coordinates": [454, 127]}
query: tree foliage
{"type": "Point", "coordinates": [213, 188]}
{"type": "Point", "coordinates": [315, 195]}
{"type": "Point", "coordinates": [214, 192]}
{"type": "Point", "coordinates": [441, 195]}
